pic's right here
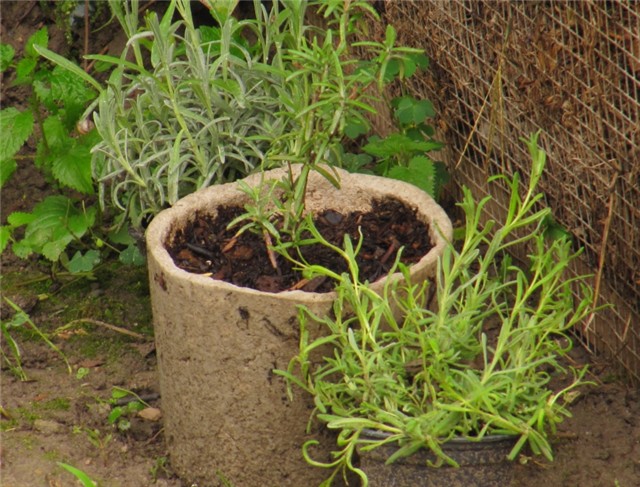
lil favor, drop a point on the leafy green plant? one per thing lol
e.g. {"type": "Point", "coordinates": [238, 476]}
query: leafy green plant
{"type": "Point", "coordinates": [63, 228]}
{"type": "Point", "coordinates": [68, 233]}
{"type": "Point", "coordinates": [485, 359]}
{"type": "Point", "coordinates": [403, 154]}
{"type": "Point", "coordinates": [62, 97]}
{"type": "Point", "coordinates": [21, 321]}
{"type": "Point", "coordinates": [51, 226]}
{"type": "Point", "coordinates": [119, 415]}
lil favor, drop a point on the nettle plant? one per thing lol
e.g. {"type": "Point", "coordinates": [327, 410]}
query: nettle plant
{"type": "Point", "coordinates": [404, 154]}
{"type": "Point", "coordinates": [485, 359]}
{"type": "Point", "coordinates": [62, 227]}
{"type": "Point", "coordinates": [56, 103]}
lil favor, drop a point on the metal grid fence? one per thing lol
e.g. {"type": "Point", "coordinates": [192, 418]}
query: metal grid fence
{"type": "Point", "coordinates": [503, 69]}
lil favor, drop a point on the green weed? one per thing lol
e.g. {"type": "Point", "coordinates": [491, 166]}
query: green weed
{"type": "Point", "coordinates": [125, 404]}
{"type": "Point", "coordinates": [81, 476]}
{"type": "Point", "coordinates": [403, 155]}
{"type": "Point", "coordinates": [160, 468]}
{"type": "Point", "coordinates": [63, 228]}
{"type": "Point", "coordinates": [97, 438]}
{"type": "Point", "coordinates": [21, 321]}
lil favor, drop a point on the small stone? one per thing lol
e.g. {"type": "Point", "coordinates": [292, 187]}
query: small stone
{"type": "Point", "coordinates": [47, 427]}
{"type": "Point", "coordinates": [333, 217]}
{"type": "Point", "coordinates": [150, 414]}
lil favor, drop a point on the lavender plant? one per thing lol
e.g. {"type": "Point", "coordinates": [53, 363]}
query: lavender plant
{"type": "Point", "coordinates": [201, 111]}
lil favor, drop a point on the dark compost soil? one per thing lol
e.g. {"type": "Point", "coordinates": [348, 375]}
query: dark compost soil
{"type": "Point", "coordinates": [207, 246]}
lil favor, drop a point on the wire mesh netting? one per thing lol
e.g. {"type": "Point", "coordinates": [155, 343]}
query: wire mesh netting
{"type": "Point", "coordinates": [504, 69]}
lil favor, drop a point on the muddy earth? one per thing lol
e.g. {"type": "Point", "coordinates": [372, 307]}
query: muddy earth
{"type": "Point", "coordinates": [79, 415]}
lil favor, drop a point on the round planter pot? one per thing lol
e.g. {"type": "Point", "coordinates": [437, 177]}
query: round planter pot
{"type": "Point", "coordinates": [481, 464]}
{"type": "Point", "coordinates": [226, 414]}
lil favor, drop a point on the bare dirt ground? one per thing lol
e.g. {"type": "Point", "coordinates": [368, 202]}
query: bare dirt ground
{"type": "Point", "coordinates": [62, 416]}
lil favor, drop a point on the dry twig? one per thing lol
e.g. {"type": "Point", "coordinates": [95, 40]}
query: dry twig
{"type": "Point", "coordinates": [109, 326]}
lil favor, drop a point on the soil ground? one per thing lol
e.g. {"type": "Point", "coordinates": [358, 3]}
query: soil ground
{"type": "Point", "coordinates": [62, 416]}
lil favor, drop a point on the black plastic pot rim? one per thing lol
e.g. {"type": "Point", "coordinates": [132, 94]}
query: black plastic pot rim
{"type": "Point", "coordinates": [381, 435]}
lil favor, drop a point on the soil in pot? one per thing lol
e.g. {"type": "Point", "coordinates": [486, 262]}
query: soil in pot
{"type": "Point", "coordinates": [207, 246]}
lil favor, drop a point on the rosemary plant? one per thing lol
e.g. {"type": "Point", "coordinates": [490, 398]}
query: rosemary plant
{"type": "Point", "coordinates": [481, 362]}
{"type": "Point", "coordinates": [326, 89]}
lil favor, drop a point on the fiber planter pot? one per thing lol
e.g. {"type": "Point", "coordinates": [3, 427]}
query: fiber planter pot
{"type": "Point", "coordinates": [227, 416]}
{"type": "Point", "coordinates": [481, 464]}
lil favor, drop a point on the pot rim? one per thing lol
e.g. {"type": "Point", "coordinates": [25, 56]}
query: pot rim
{"type": "Point", "coordinates": [494, 438]}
